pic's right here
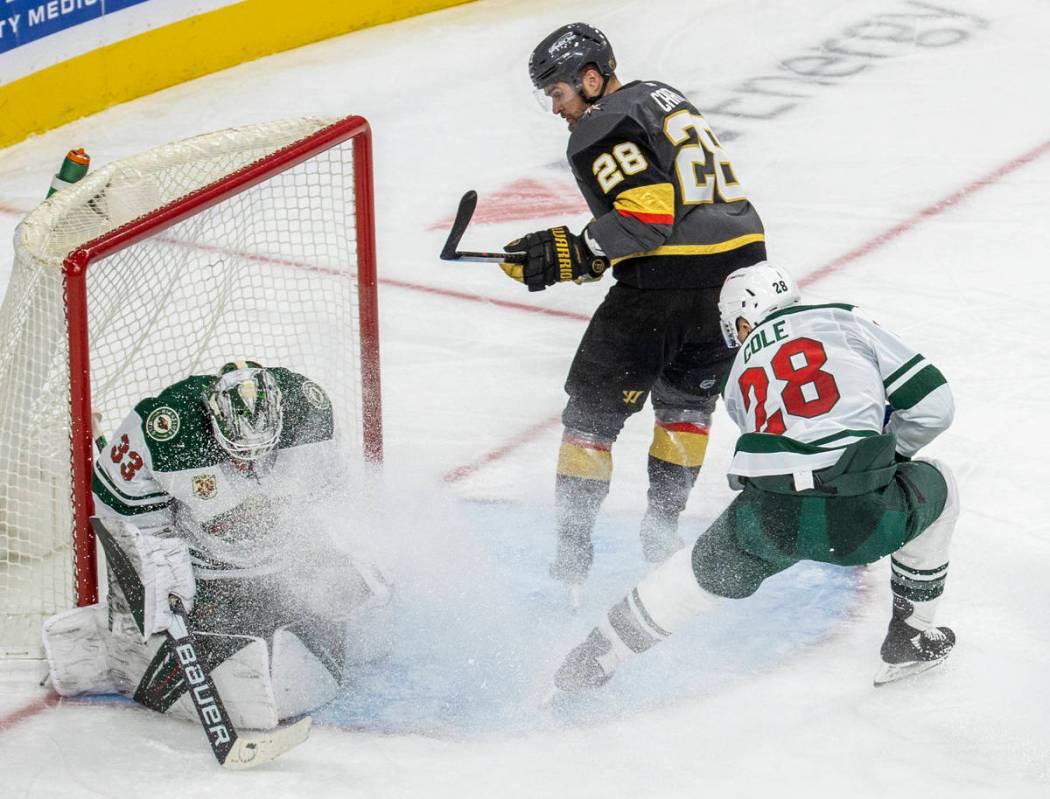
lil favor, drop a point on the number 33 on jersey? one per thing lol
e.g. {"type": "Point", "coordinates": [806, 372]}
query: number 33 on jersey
{"type": "Point", "coordinates": [821, 375]}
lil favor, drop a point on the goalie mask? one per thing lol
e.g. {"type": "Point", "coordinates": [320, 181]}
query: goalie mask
{"type": "Point", "coordinates": [244, 405]}
{"type": "Point", "coordinates": [753, 293]}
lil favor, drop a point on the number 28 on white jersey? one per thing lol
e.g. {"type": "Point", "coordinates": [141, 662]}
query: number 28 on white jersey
{"type": "Point", "coordinates": [822, 375]}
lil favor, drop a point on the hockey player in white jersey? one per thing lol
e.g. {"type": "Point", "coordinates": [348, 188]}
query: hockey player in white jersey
{"type": "Point", "coordinates": [205, 491]}
{"type": "Point", "coordinates": [822, 475]}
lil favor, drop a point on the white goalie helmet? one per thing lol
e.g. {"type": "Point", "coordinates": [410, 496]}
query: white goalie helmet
{"type": "Point", "coordinates": [753, 293]}
{"type": "Point", "coordinates": [244, 406]}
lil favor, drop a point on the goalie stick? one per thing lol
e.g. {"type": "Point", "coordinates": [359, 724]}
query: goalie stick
{"type": "Point", "coordinates": [467, 204]}
{"type": "Point", "coordinates": [231, 749]}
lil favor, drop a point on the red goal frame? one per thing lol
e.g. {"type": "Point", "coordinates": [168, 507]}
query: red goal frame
{"type": "Point", "coordinates": [77, 263]}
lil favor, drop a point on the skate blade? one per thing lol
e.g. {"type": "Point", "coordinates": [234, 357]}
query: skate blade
{"type": "Point", "coordinates": [893, 672]}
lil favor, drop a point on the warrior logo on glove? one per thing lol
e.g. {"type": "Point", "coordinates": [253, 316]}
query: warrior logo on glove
{"type": "Point", "coordinates": [554, 256]}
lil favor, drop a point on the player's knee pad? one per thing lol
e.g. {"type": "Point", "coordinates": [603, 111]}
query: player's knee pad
{"type": "Point", "coordinates": [929, 549]}
{"type": "Point", "coordinates": [950, 513]}
{"type": "Point", "coordinates": [581, 415]}
{"type": "Point", "coordinates": [683, 406]}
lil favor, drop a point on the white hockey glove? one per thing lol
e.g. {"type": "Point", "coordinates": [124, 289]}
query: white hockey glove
{"type": "Point", "coordinates": [145, 569]}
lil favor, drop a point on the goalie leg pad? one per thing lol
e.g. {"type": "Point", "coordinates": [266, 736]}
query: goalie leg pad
{"type": "Point", "coordinates": [239, 666]}
{"type": "Point", "coordinates": [306, 667]}
{"type": "Point", "coordinates": [76, 645]}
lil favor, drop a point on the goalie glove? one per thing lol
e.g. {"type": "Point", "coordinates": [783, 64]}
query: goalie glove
{"type": "Point", "coordinates": [553, 256]}
{"type": "Point", "coordinates": [146, 569]}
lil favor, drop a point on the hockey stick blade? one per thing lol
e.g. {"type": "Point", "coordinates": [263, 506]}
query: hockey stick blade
{"type": "Point", "coordinates": [464, 214]}
{"type": "Point", "coordinates": [468, 202]}
{"type": "Point", "coordinates": [232, 750]}
{"type": "Point", "coordinates": [251, 752]}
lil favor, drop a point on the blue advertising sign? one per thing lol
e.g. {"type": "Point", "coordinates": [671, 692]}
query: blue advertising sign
{"type": "Point", "coordinates": [25, 21]}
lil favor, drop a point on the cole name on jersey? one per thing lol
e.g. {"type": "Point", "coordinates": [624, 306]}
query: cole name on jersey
{"type": "Point", "coordinates": [810, 380]}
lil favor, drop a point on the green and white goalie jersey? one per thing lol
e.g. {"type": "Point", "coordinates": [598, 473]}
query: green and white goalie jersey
{"type": "Point", "coordinates": [164, 472]}
{"type": "Point", "coordinates": [812, 379]}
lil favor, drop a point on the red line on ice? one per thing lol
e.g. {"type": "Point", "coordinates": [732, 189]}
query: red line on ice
{"type": "Point", "coordinates": [928, 212]}
{"type": "Point", "coordinates": [460, 472]}
{"type": "Point", "coordinates": [462, 295]}
{"type": "Point", "coordinates": [36, 706]}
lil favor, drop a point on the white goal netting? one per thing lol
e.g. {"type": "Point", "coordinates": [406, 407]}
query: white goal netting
{"type": "Point", "coordinates": [270, 273]}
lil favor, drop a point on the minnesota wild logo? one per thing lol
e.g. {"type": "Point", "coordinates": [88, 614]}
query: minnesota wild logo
{"type": "Point", "coordinates": [315, 395]}
{"type": "Point", "coordinates": [162, 424]}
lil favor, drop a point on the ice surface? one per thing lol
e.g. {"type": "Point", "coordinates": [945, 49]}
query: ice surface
{"type": "Point", "coordinates": [896, 141]}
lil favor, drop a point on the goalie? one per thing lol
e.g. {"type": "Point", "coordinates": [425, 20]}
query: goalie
{"type": "Point", "coordinates": [206, 492]}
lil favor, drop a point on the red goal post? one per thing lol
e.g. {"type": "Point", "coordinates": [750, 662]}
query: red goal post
{"type": "Point", "coordinates": [269, 255]}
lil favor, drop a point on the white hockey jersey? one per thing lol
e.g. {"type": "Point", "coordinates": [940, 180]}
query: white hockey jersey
{"type": "Point", "coordinates": [816, 378]}
{"type": "Point", "coordinates": [163, 472]}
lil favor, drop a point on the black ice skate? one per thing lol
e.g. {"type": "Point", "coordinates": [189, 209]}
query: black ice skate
{"type": "Point", "coordinates": [907, 651]}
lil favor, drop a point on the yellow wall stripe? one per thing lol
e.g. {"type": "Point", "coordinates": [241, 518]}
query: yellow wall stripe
{"type": "Point", "coordinates": [698, 249]}
{"type": "Point", "coordinates": [678, 447]}
{"type": "Point", "coordinates": [585, 462]}
{"type": "Point", "coordinates": [182, 51]}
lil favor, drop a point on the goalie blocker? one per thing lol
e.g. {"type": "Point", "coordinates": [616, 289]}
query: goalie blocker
{"type": "Point", "coordinates": [280, 669]}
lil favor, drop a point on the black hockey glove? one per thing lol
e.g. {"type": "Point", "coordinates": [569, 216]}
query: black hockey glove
{"type": "Point", "coordinates": [553, 256]}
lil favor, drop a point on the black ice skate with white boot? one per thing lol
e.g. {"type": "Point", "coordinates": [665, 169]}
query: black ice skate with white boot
{"type": "Point", "coordinates": [907, 651]}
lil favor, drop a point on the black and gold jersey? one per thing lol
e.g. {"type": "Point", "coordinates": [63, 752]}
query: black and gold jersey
{"type": "Point", "coordinates": [669, 208]}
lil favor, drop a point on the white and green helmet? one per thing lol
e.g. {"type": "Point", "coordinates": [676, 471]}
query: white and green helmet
{"type": "Point", "coordinates": [244, 405]}
{"type": "Point", "coordinates": [753, 293]}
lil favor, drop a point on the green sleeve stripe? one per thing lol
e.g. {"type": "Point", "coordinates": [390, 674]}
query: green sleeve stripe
{"type": "Point", "coordinates": [113, 501]}
{"type": "Point", "coordinates": [115, 489]}
{"type": "Point", "coordinates": [842, 306]}
{"type": "Point", "coordinates": [767, 443]}
{"type": "Point", "coordinates": [843, 434]}
{"type": "Point", "coordinates": [916, 389]}
{"type": "Point", "coordinates": [897, 374]}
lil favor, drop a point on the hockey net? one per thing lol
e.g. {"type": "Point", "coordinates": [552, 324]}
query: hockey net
{"type": "Point", "coordinates": [254, 242]}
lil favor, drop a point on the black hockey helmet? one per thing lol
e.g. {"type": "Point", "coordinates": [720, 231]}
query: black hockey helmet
{"type": "Point", "coordinates": [563, 54]}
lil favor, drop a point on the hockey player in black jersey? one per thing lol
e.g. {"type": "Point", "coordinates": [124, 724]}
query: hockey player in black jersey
{"type": "Point", "coordinates": [671, 219]}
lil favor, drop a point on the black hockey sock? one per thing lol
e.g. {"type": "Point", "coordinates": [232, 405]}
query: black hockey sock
{"type": "Point", "coordinates": [669, 487]}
